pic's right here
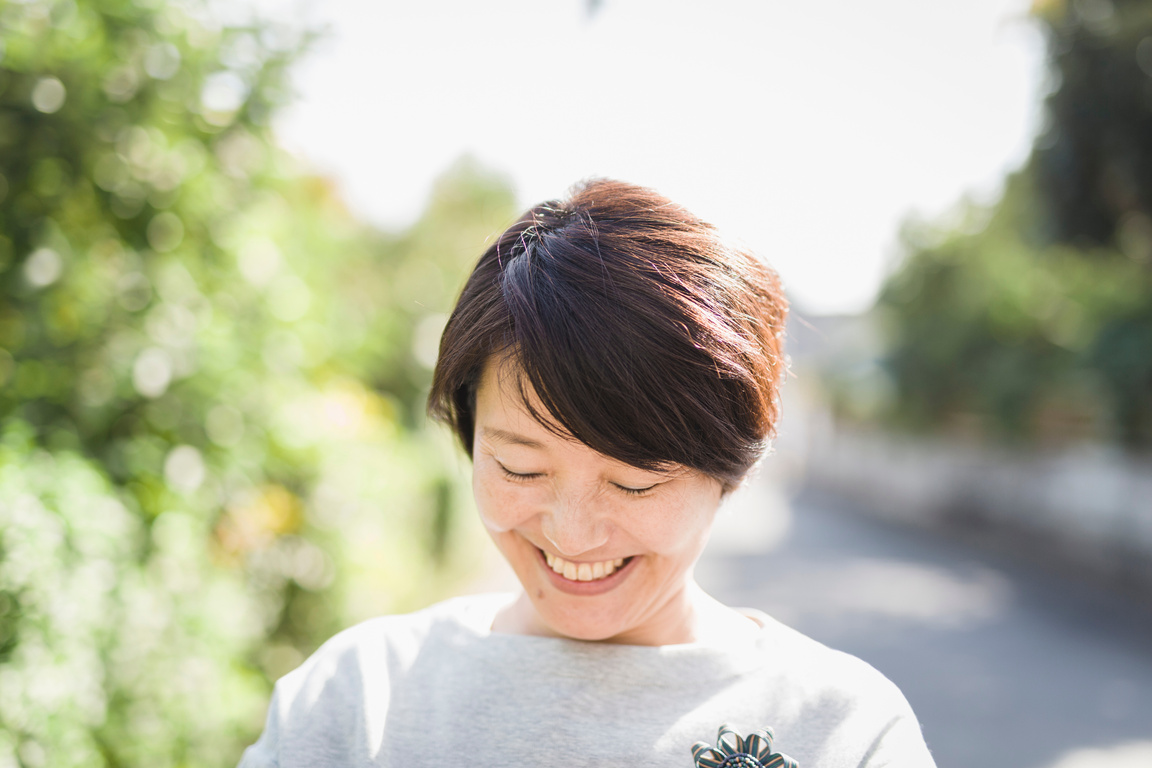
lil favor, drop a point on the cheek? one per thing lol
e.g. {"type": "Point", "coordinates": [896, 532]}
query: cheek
{"type": "Point", "coordinates": [680, 525]}
{"type": "Point", "coordinates": [501, 505]}
{"type": "Point", "coordinates": [686, 536]}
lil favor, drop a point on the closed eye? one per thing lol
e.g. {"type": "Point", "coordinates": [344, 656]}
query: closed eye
{"type": "Point", "coordinates": [522, 477]}
{"type": "Point", "coordinates": [519, 477]}
{"type": "Point", "coordinates": [635, 491]}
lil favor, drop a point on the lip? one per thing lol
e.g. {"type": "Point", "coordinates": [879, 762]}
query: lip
{"type": "Point", "coordinates": [587, 588]}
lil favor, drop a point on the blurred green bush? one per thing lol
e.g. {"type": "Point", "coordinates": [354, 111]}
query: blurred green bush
{"type": "Point", "coordinates": [1031, 319]}
{"type": "Point", "coordinates": [212, 445]}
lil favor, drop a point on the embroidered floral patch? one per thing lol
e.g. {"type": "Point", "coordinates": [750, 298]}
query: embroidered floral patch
{"type": "Point", "coordinates": [733, 751]}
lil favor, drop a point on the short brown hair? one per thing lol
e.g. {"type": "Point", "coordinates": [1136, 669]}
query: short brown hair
{"type": "Point", "coordinates": [645, 335]}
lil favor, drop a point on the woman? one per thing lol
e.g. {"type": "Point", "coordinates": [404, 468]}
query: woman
{"type": "Point", "coordinates": [612, 368]}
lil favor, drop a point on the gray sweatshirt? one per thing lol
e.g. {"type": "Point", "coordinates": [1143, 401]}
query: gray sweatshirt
{"type": "Point", "coordinates": [438, 687]}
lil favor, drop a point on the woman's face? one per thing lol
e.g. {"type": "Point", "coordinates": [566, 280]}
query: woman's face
{"type": "Point", "coordinates": [603, 550]}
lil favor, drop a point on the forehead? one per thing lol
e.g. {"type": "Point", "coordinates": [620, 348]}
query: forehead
{"type": "Point", "coordinates": [506, 413]}
{"type": "Point", "coordinates": [505, 403]}
{"type": "Point", "coordinates": [503, 418]}
{"type": "Point", "coordinates": [507, 407]}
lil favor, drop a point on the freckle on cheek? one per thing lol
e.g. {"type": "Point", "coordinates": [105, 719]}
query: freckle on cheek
{"type": "Point", "coordinates": [539, 594]}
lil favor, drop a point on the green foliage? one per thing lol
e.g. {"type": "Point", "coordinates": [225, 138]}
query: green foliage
{"type": "Point", "coordinates": [992, 331]}
{"type": "Point", "coordinates": [211, 388]}
{"type": "Point", "coordinates": [110, 656]}
{"type": "Point", "coordinates": [1094, 159]}
{"type": "Point", "coordinates": [1039, 324]}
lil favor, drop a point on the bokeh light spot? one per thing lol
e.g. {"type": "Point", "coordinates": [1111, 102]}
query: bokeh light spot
{"type": "Point", "coordinates": [152, 372]}
{"type": "Point", "coordinates": [43, 267]}
{"type": "Point", "coordinates": [184, 469]}
{"type": "Point", "coordinates": [121, 83]}
{"type": "Point", "coordinates": [165, 231]}
{"type": "Point", "coordinates": [162, 61]}
{"type": "Point", "coordinates": [222, 95]}
{"type": "Point", "coordinates": [48, 95]}
{"type": "Point", "coordinates": [259, 261]}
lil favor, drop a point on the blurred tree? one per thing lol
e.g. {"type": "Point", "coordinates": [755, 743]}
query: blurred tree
{"type": "Point", "coordinates": [1033, 319]}
{"type": "Point", "coordinates": [1094, 157]}
{"type": "Point", "coordinates": [210, 375]}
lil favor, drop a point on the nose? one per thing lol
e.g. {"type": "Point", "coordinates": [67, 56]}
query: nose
{"type": "Point", "coordinates": [575, 524]}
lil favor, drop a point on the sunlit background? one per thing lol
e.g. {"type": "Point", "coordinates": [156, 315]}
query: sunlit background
{"type": "Point", "coordinates": [230, 234]}
{"type": "Point", "coordinates": [808, 130]}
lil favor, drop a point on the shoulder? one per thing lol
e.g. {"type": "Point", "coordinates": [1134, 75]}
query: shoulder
{"type": "Point", "coordinates": [806, 664]}
{"type": "Point", "coordinates": [839, 706]}
{"type": "Point", "coordinates": [399, 630]}
{"type": "Point", "coordinates": [349, 678]}
{"type": "Point", "coordinates": [393, 641]}
{"type": "Point", "coordinates": [339, 696]}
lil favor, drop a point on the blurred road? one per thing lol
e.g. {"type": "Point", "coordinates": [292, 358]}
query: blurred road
{"type": "Point", "coordinates": [1007, 665]}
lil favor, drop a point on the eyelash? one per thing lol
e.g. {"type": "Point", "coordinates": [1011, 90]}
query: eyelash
{"type": "Point", "coordinates": [634, 491]}
{"type": "Point", "coordinates": [518, 477]}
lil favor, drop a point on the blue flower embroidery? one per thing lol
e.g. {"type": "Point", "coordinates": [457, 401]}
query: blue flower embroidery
{"type": "Point", "coordinates": [732, 751]}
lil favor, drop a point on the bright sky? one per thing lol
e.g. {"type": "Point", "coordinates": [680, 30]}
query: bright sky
{"type": "Point", "coordinates": [808, 130]}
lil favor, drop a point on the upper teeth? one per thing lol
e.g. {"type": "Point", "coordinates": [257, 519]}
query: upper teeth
{"type": "Point", "coordinates": [582, 571]}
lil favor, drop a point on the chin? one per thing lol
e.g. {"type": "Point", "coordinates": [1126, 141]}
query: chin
{"type": "Point", "coordinates": [584, 631]}
{"type": "Point", "coordinates": [587, 626]}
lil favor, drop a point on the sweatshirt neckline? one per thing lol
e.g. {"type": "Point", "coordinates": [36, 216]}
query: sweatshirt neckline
{"type": "Point", "coordinates": [732, 655]}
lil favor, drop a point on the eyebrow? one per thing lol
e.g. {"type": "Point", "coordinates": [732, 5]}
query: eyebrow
{"type": "Point", "coordinates": [512, 438]}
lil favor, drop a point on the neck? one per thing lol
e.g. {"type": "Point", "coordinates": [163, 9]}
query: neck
{"type": "Point", "coordinates": [691, 616]}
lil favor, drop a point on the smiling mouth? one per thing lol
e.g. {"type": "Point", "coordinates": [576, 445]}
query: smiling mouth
{"type": "Point", "coordinates": [584, 571]}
